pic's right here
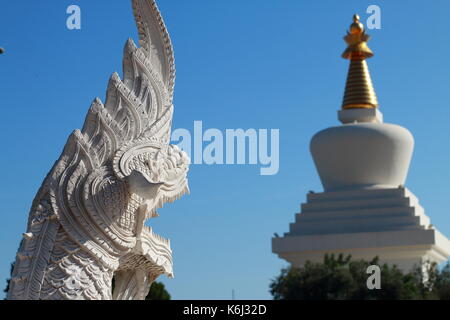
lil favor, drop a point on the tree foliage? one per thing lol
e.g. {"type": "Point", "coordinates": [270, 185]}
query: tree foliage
{"type": "Point", "coordinates": [9, 279]}
{"type": "Point", "coordinates": [341, 278]}
{"type": "Point", "coordinates": [158, 292]}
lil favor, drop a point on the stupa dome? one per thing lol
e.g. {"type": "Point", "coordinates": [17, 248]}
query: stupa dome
{"type": "Point", "coordinates": [362, 155]}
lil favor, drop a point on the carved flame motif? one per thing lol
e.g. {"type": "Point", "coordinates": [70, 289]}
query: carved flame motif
{"type": "Point", "coordinates": [86, 223]}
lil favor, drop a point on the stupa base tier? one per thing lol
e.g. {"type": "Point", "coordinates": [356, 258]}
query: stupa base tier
{"type": "Point", "coordinates": [388, 223]}
{"type": "Point", "coordinates": [402, 248]}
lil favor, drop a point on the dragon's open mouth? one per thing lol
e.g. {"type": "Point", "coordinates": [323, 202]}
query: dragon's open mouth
{"type": "Point", "coordinates": [152, 250]}
{"type": "Point", "coordinates": [156, 251]}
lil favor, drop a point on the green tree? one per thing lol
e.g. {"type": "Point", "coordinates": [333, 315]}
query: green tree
{"type": "Point", "coordinates": [441, 287]}
{"type": "Point", "coordinates": [158, 292]}
{"type": "Point", "coordinates": [338, 278]}
{"type": "Point", "coordinates": [9, 279]}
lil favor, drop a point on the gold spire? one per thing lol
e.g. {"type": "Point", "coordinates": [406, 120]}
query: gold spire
{"type": "Point", "coordinates": [359, 92]}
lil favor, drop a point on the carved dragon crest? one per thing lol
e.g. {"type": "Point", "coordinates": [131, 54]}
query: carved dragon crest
{"type": "Point", "coordinates": [86, 223]}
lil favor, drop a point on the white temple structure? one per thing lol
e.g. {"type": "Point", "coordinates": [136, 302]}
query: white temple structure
{"type": "Point", "coordinates": [365, 210]}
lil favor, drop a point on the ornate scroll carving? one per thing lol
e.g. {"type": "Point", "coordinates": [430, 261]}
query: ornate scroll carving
{"type": "Point", "coordinates": [86, 223]}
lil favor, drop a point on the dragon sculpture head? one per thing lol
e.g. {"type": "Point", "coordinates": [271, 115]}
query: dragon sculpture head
{"type": "Point", "coordinates": [86, 223]}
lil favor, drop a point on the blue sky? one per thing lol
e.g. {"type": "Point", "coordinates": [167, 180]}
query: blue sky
{"type": "Point", "coordinates": [240, 64]}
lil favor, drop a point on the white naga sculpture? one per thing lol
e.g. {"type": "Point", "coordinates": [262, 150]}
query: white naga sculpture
{"type": "Point", "coordinates": [86, 224]}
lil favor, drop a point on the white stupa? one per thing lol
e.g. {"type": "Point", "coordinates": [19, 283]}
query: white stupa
{"type": "Point", "coordinates": [365, 210]}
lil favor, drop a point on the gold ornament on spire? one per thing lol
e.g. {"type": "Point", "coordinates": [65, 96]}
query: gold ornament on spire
{"type": "Point", "coordinates": [359, 92]}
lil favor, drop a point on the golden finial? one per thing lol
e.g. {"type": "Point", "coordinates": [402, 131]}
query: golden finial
{"type": "Point", "coordinates": [356, 27]}
{"type": "Point", "coordinates": [356, 39]}
{"type": "Point", "coordinates": [359, 92]}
